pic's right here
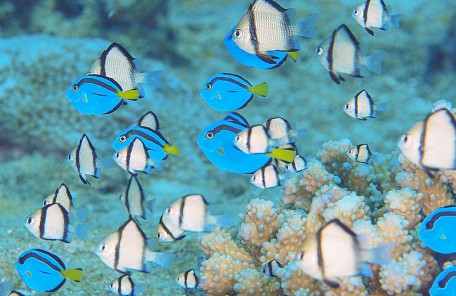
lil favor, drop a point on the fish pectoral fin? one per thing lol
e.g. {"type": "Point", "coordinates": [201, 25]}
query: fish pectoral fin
{"type": "Point", "coordinates": [72, 274]}
{"type": "Point", "coordinates": [332, 283]}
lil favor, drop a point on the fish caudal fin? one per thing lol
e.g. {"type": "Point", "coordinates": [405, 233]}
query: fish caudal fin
{"type": "Point", "coordinates": [81, 215]}
{"type": "Point", "coordinates": [380, 107]}
{"type": "Point", "coordinates": [72, 274]}
{"type": "Point", "coordinates": [394, 19]}
{"type": "Point", "coordinates": [306, 27]}
{"type": "Point", "coordinates": [80, 230]}
{"type": "Point", "coordinates": [131, 94]}
{"type": "Point", "coordinates": [260, 89]}
{"type": "Point", "coordinates": [300, 133]}
{"type": "Point", "coordinates": [225, 220]}
{"type": "Point", "coordinates": [162, 259]}
{"type": "Point", "coordinates": [379, 255]}
{"type": "Point", "coordinates": [152, 78]}
{"type": "Point", "coordinates": [374, 62]}
{"type": "Point", "coordinates": [285, 155]}
{"type": "Point", "coordinates": [150, 205]}
{"type": "Point", "coordinates": [170, 149]}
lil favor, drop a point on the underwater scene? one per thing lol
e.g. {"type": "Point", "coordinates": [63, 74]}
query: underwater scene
{"type": "Point", "coordinates": [228, 147]}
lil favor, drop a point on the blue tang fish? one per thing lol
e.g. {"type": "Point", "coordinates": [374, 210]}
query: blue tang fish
{"type": "Point", "coordinates": [43, 271]}
{"type": "Point", "coordinates": [438, 230]}
{"type": "Point", "coordinates": [252, 60]}
{"type": "Point", "coordinates": [229, 92]}
{"type": "Point", "coordinates": [95, 94]}
{"type": "Point", "coordinates": [217, 143]}
{"type": "Point", "coordinates": [445, 283]}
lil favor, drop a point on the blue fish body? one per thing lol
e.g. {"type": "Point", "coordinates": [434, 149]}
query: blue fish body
{"type": "Point", "coordinates": [41, 270]}
{"type": "Point", "coordinates": [251, 60]}
{"type": "Point", "coordinates": [153, 140]}
{"type": "Point", "coordinates": [94, 94]}
{"type": "Point", "coordinates": [226, 92]}
{"type": "Point", "coordinates": [438, 230]}
{"type": "Point", "coordinates": [216, 142]}
{"type": "Point", "coordinates": [445, 283]}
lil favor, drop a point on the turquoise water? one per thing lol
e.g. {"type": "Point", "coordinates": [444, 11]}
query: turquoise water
{"type": "Point", "coordinates": [47, 44]}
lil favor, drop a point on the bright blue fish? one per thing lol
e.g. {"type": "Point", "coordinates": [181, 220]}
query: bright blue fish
{"type": "Point", "coordinates": [229, 92]}
{"type": "Point", "coordinates": [95, 94]}
{"type": "Point", "coordinates": [217, 143]}
{"type": "Point", "coordinates": [157, 146]}
{"type": "Point", "coordinates": [445, 283]}
{"type": "Point", "coordinates": [438, 230]}
{"type": "Point", "coordinates": [252, 60]}
{"type": "Point", "coordinates": [43, 271]}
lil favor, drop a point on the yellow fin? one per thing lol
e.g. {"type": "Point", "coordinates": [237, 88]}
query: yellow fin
{"type": "Point", "coordinates": [171, 149]}
{"type": "Point", "coordinates": [260, 89]}
{"type": "Point", "coordinates": [131, 94]}
{"type": "Point", "coordinates": [293, 55]}
{"type": "Point", "coordinates": [285, 155]}
{"type": "Point", "coordinates": [72, 274]}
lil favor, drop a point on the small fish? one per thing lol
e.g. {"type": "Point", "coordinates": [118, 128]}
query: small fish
{"type": "Point", "coordinates": [167, 232]}
{"type": "Point", "coordinates": [117, 63]}
{"type": "Point", "coordinates": [445, 283]}
{"type": "Point", "coordinates": [83, 159]}
{"type": "Point", "coordinates": [134, 158]}
{"type": "Point", "coordinates": [216, 142]}
{"type": "Point", "coordinates": [133, 199]}
{"type": "Point", "coordinates": [268, 177]}
{"type": "Point", "coordinates": [43, 271]}
{"type": "Point", "coordinates": [127, 249]}
{"type": "Point", "coordinates": [431, 143]}
{"type": "Point", "coordinates": [362, 106]}
{"type": "Point", "coordinates": [374, 14]}
{"type": "Point", "coordinates": [124, 286]}
{"type": "Point", "coordinates": [340, 53]}
{"type": "Point", "coordinates": [97, 95]}
{"type": "Point", "coordinates": [280, 128]}
{"type": "Point", "coordinates": [438, 230]}
{"type": "Point", "coordinates": [251, 60]}
{"type": "Point", "coordinates": [361, 153]}
{"type": "Point", "coordinates": [228, 92]}
{"type": "Point", "coordinates": [53, 222]}
{"type": "Point", "coordinates": [63, 197]}
{"type": "Point", "coordinates": [298, 164]}
{"type": "Point", "coordinates": [191, 213]}
{"type": "Point", "coordinates": [335, 252]}
{"type": "Point", "coordinates": [272, 268]}
{"type": "Point", "coordinates": [188, 280]}
{"type": "Point", "coordinates": [149, 120]}
{"type": "Point", "coordinates": [267, 27]}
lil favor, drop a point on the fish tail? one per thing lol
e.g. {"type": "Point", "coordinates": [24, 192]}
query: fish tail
{"type": "Point", "coordinates": [81, 215]}
{"type": "Point", "coordinates": [225, 220]}
{"type": "Point", "coordinates": [374, 62]}
{"type": "Point", "coordinates": [162, 259]}
{"type": "Point", "coordinates": [306, 27]}
{"type": "Point", "coordinates": [150, 205]}
{"type": "Point", "coordinates": [379, 255]}
{"type": "Point", "coordinates": [131, 94]}
{"type": "Point", "coordinates": [394, 19]}
{"type": "Point", "coordinates": [152, 78]}
{"type": "Point", "coordinates": [260, 89]}
{"type": "Point", "coordinates": [170, 149]}
{"type": "Point", "coordinates": [80, 230]}
{"type": "Point", "coordinates": [300, 133]}
{"type": "Point", "coordinates": [284, 155]}
{"type": "Point", "coordinates": [380, 107]}
{"type": "Point", "coordinates": [72, 274]}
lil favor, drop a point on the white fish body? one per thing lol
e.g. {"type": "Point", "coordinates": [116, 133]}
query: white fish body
{"type": "Point", "coordinates": [362, 106]}
{"type": "Point", "coordinates": [267, 177]}
{"type": "Point", "coordinates": [375, 14]}
{"type": "Point", "coordinates": [83, 159]}
{"type": "Point", "coordinates": [125, 286]}
{"type": "Point", "coordinates": [361, 153]}
{"type": "Point", "coordinates": [63, 197]}
{"type": "Point", "coordinates": [167, 232]}
{"type": "Point", "coordinates": [134, 158]}
{"type": "Point", "coordinates": [126, 250]}
{"type": "Point", "coordinates": [188, 279]}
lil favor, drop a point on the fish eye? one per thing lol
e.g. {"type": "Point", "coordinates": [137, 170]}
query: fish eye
{"type": "Point", "coordinates": [29, 220]}
{"type": "Point", "coordinates": [168, 210]}
{"type": "Point", "coordinates": [404, 138]}
{"type": "Point", "coordinates": [118, 155]}
{"type": "Point", "coordinates": [210, 135]}
{"type": "Point", "coordinates": [319, 50]}
{"type": "Point", "coordinates": [158, 235]}
{"type": "Point", "coordinates": [237, 33]}
{"type": "Point", "coordinates": [75, 87]}
{"type": "Point", "coordinates": [253, 178]}
{"type": "Point", "coordinates": [103, 247]}
{"type": "Point", "coordinates": [355, 12]}
{"type": "Point", "coordinates": [123, 138]}
{"type": "Point", "coordinates": [347, 107]}
{"type": "Point", "coordinates": [238, 139]}
{"type": "Point", "coordinates": [349, 151]}
{"type": "Point", "coordinates": [287, 167]}
{"type": "Point", "coordinates": [111, 285]}
{"type": "Point", "coordinates": [208, 86]}
{"type": "Point", "coordinates": [69, 156]}
{"type": "Point", "coordinates": [44, 203]}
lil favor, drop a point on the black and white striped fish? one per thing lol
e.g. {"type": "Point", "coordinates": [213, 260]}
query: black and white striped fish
{"type": "Point", "coordinates": [188, 279]}
{"type": "Point", "coordinates": [83, 159]}
{"type": "Point", "coordinates": [135, 157]}
{"type": "Point", "coordinates": [133, 199]}
{"type": "Point", "coordinates": [268, 177]}
{"type": "Point", "coordinates": [167, 232]}
{"type": "Point", "coordinates": [125, 286]}
{"type": "Point", "coordinates": [362, 106]}
{"type": "Point", "coordinates": [375, 14]}
{"type": "Point", "coordinates": [361, 153]}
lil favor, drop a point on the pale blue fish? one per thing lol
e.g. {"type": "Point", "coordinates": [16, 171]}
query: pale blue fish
{"type": "Point", "coordinates": [438, 230]}
{"type": "Point", "coordinates": [445, 283]}
{"type": "Point", "coordinates": [252, 60]}
{"type": "Point", "coordinates": [217, 143]}
{"type": "Point", "coordinates": [229, 92]}
{"type": "Point", "coordinates": [97, 95]}
{"type": "Point", "coordinates": [43, 271]}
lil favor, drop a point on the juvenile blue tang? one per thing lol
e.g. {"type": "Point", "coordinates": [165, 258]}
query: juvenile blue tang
{"type": "Point", "coordinates": [98, 95]}
{"type": "Point", "coordinates": [43, 271]}
{"type": "Point", "coordinates": [252, 60]}
{"type": "Point", "coordinates": [217, 143]}
{"type": "Point", "coordinates": [229, 92]}
{"type": "Point", "coordinates": [438, 230]}
{"type": "Point", "coordinates": [445, 283]}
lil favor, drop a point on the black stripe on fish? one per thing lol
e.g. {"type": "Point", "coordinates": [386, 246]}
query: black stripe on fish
{"type": "Point", "coordinates": [430, 223]}
{"type": "Point", "coordinates": [132, 285]}
{"type": "Point", "coordinates": [371, 104]}
{"type": "Point", "coordinates": [276, 172]}
{"type": "Point", "coordinates": [122, 102]}
{"type": "Point", "coordinates": [442, 283]}
{"type": "Point", "coordinates": [356, 45]}
{"type": "Point", "coordinates": [100, 83]}
{"type": "Point", "coordinates": [360, 148]}
{"type": "Point", "coordinates": [146, 136]}
{"type": "Point", "coordinates": [107, 51]}
{"type": "Point", "coordinates": [94, 157]}
{"type": "Point", "coordinates": [128, 156]}
{"type": "Point", "coordinates": [236, 118]}
{"type": "Point", "coordinates": [249, 133]}
{"type": "Point", "coordinates": [181, 211]}
{"type": "Point", "coordinates": [234, 81]}
{"type": "Point", "coordinates": [166, 229]}
{"type": "Point", "coordinates": [330, 58]}
{"type": "Point", "coordinates": [66, 223]}
{"type": "Point", "coordinates": [77, 162]}
{"type": "Point", "coordinates": [365, 17]}
{"type": "Point", "coordinates": [263, 177]}
{"type": "Point", "coordinates": [355, 105]}
{"type": "Point", "coordinates": [43, 220]}
{"type": "Point", "coordinates": [156, 122]}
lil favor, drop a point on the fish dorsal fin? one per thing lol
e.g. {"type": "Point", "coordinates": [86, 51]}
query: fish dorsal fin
{"type": "Point", "coordinates": [117, 63]}
{"type": "Point", "coordinates": [87, 155]}
{"type": "Point", "coordinates": [267, 6]}
{"type": "Point", "coordinates": [236, 118]}
{"type": "Point", "coordinates": [343, 33]}
{"type": "Point", "coordinates": [64, 197]}
{"type": "Point", "coordinates": [149, 120]}
{"type": "Point", "coordinates": [95, 68]}
{"type": "Point", "coordinates": [116, 53]}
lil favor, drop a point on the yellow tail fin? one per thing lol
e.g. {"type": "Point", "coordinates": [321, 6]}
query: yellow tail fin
{"type": "Point", "coordinates": [72, 274]}
{"type": "Point", "coordinates": [131, 94]}
{"type": "Point", "coordinates": [293, 55]}
{"type": "Point", "coordinates": [285, 155]}
{"type": "Point", "coordinates": [260, 89]}
{"type": "Point", "coordinates": [171, 149]}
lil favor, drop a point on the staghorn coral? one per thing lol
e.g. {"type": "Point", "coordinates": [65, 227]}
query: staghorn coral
{"type": "Point", "coordinates": [405, 202]}
{"type": "Point", "coordinates": [221, 241]}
